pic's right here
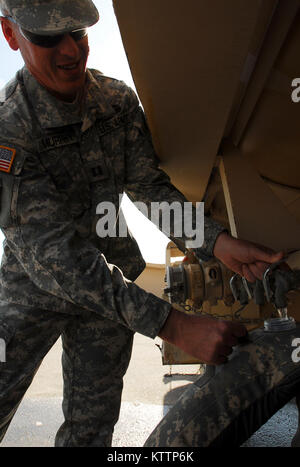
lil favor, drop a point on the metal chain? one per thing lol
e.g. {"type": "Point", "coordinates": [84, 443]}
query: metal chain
{"type": "Point", "coordinates": [234, 316]}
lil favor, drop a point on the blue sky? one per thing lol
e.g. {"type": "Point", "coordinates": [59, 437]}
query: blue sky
{"type": "Point", "coordinates": [106, 54]}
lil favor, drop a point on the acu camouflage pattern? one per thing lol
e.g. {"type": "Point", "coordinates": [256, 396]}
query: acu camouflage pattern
{"type": "Point", "coordinates": [66, 163]}
{"type": "Point", "coordinates": [224, 409]}
{"type": "Point", "coordinates": [96, 353]}
{"type": "Point", "coordinates": [51, 241]}
{"type": "Point", "coordinates": [51, 16]}
{"type": "Point", "coordinates": [57, 276]}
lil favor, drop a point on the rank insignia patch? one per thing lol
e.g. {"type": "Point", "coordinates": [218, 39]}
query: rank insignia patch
{"type": "Point", "coordinates": [7, 156]}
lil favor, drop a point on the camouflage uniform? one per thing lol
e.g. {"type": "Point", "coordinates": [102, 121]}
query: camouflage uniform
{"type": "Point", "coordinates": [57, 276]}
{"type": "Point", "coordinates": [224, 408]}
{"type": "Point", "coordinates": [51, 16]}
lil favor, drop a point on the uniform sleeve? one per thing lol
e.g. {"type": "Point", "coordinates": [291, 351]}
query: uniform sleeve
{"type": "Point", "coordinates": [146, 182]}
{"type": "Point", "coordinates": [43, 237]}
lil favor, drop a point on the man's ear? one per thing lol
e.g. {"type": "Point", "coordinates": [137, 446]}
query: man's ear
{"type": "Point", "coordinates": [9, 34]}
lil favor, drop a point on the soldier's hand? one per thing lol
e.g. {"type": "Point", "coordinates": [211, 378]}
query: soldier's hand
{"type": "Point", "coordinates": [245, 258]}
{"type": "Point", "coordinates": [208, 339]}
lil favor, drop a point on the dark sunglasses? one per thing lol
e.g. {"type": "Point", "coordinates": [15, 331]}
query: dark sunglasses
{"type": "Point", "coordinates": [49, 41]}
{"type": "Point", "coordinates": [52, 41]}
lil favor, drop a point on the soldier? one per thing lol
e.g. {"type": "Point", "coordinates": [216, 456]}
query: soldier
{"type": "Point", "coordinates": [71, 138]}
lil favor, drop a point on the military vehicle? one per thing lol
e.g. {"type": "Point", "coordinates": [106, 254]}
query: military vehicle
{"type": "Point", "coordinates": [220, 85]}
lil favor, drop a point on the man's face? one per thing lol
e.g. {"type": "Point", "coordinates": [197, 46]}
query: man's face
{"type": "Point", "coordinates": [60, 69]}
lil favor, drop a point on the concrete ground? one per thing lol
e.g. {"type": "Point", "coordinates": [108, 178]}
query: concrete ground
{"type": "Point", "coordinates": [149, 391]}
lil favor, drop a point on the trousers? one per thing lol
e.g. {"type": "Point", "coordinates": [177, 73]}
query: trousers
{"type": "Point", "coordinates": [225, 407]}
{"type": "Point", "coordinates": [96, 354]}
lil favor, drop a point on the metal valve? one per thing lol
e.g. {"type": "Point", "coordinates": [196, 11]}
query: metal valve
{"type": "Point", "coordinates": [276, 293]}
{"type": "Point", "coordinates": [273, 289]}
{"type": "Point", "coordinates": [197, 282]}
{"type": "Point", "coordinates": [191, 283]}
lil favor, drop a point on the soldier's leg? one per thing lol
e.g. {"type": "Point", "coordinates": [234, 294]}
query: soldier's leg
{"type": "Point", "coordinates": [224, 410]}
{"type": "Point", "coordinates": [296, 440]}
{"type": "Point", "coordinates": [96, 354]}
{"type": "Point", "coordinates": [26, 334]}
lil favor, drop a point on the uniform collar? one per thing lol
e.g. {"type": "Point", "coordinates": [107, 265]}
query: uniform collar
{"type": "Point", "coordinates": [95, 104]}
{"type": "Point", "coordinates": [54, 113]}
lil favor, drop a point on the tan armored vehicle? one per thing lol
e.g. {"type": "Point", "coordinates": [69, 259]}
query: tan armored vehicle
{"type": "Point", "coordinates": [220, 85]}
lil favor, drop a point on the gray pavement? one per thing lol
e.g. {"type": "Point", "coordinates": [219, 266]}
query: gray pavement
{"type": "Point", "coordinates": [149, 390]}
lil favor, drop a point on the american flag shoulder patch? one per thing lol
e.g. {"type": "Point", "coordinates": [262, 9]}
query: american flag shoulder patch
{"type": "Point", "coordinates": [7, 156]}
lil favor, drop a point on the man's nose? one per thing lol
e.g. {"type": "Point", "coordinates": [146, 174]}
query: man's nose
{"type": "Point", "coordinates": [68, 46]}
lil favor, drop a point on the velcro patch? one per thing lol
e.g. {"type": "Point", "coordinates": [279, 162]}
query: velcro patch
{"type": "Point", "coordinates": [7, 156]}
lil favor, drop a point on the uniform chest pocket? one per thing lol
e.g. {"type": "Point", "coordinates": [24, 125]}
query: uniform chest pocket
{"type": "Point", "coordinates": [67, 171]}
{"type": "Point", "coordinates": [7, 183]}
{"type": "Point", "coordinates": [9, 186]}
{"type": "Point", "coordinates": [113, 145]}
